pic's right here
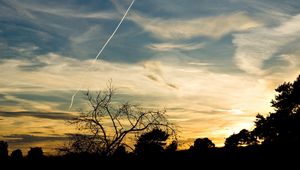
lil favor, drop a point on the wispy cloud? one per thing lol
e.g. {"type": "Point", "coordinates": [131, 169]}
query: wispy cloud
{"type": "Point", "coordinates": [152, 77]}
{"type": "Point", "coordinates": [175, 46]}
{"type": "Point", "coordinates": [66, 11]}
{"type": "Point", "coordinates": [25, 138]}
{"type": "Point", "coordinates": [156, 74]}
{"type": "Point", "coordinates": [259, 45]}
{"type": "Point", "coordinates": [89, 35]}
{"type": "Point", "coordinates": [21, 104]}
{"type": "Point", "coordinates": [62, 73]}
{"type": "Point", "coordinates": [214, 27]}
{"type": "Point", "coordinates": [26, 49]}
{"type": "Point", "coordinates": [233, 111]}
{"type": "Point", "coordinates": [152, 83]}
{"type": "Point", "coordinates": [200, 64]}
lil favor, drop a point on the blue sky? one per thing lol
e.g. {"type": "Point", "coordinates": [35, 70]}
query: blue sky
{"type": "Point", "coordinates": [212, 64]}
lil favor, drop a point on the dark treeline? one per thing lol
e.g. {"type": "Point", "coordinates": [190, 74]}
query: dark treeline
{"type": "Point", "coordinates": [275, 138]}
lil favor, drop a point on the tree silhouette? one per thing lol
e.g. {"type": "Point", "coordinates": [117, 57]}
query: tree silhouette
{"type": "Point", "coordinates": [3, 150]}
{"type": "Point", "coordinates": [120, 152]}
{"type": "Point", "coordinates": [172, 147]}
{"type": "Point", "coordinates": [243, 138]}
{"type": "Point", "coordinates": [16, 155]}
{"type": "Point", "coordinates": [81, 143]}
{"type": "Point", "coordinates": [202, 145]}
{"type": "Point", "coordinates": [35, 153]}
{"type": "Point", "coordinates": [282, 127]}
{"type": "Point", "coordinates": [151, 142]}
{"type": "Point", "coordinates": [105, 127]}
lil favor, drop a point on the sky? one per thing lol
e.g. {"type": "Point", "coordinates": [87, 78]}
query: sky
{"type": "Point", "coordinates": [213, 65]}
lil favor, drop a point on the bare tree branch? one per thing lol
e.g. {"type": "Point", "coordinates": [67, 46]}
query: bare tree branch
{"type": "Point", "coordinates": [107, 124]}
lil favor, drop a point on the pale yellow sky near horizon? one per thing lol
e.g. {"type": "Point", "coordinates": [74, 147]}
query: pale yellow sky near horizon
{"type": "Point", "coordinates": [201, 103]}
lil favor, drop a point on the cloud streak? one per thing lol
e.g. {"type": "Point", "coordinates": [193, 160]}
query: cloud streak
{"type": "Point", "coordinates": [175, 46]}
{"type": "Point", "coordinates": [156, 74]}
{"type": "Point", "coordinates": [214, 27]}
{"type": "Point", "coordinates": [260, 45]}
{"type": "Point", "coordinates": [30, 9]}
{"type": "Point", "coordinates": [25, 138]}
{"type": "Point", "coordinates": [44, 115]}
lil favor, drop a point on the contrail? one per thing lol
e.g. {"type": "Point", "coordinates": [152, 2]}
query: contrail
{"type": "Point", "coordinates": [116, 29]}
{"type": "Point", "coordinates": [103, 47]}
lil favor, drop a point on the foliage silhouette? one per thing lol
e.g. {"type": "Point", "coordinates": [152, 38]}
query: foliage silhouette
{"type": "Point", "coordinates": [172, 147]}
{"type": "Point", "coordinates": [281, 127]}
{"type": "Point", "coordinates": [202, 144]}
{"type": "Point", "coordinates": [243, 138]}
{"type": "Point", "coordinates": [152, 142]}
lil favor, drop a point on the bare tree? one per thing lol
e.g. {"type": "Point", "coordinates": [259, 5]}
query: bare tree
{"type": "Point", "coordinates": [105, 127]}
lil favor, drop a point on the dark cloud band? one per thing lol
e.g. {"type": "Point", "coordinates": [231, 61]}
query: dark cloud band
{"type": "Point", "coordinates": [45, 115]}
